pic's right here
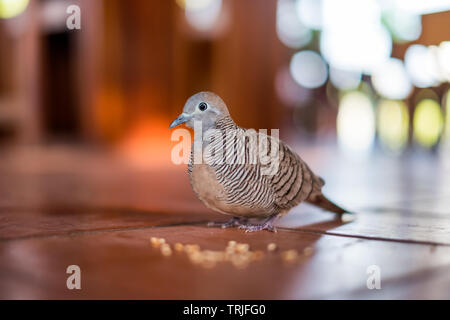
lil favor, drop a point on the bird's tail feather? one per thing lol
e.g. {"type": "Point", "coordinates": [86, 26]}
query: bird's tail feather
{"type": "Point", "coordinates": [322, 202]}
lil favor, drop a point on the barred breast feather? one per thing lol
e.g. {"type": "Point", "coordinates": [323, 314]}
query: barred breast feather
{"type": "Point", "coordinates": [230, 178]}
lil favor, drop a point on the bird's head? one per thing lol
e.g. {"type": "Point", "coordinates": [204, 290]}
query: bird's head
{"type": "Point", "coordinates": [205, 107]}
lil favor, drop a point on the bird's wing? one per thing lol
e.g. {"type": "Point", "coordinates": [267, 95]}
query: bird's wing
{"type": "Point", "coordinates": [241, 175]}
{"type": "Point", "coordinates": [246, 182]}
{"type": "Point", "coordinates": [294, 181]}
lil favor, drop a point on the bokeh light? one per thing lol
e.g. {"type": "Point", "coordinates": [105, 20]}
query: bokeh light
{"type": "Point", "coordinates": [444, 60]}
{"type": "Point", "coordinates": [202, 15]}
{"type": "Point", "coordinates": [404, 26]}
{"type": "Point", "coordinates": [356, 12]}
{"type": "Point", "coordinates": [12, 8]}
{"type": "Point", "coordinates": [421, 6]}
{"type": "Point", "coordinates": [426, 93]}
{"type": "Point", "coordinates": [393, 125]}
{"type": "Point", "coordinates": [428, 122]}
{"type": "Point", "coordinates": [421, 66]}
{"type": "Point", "coordinates": [193, 5]}
{"type": "Point", "coordinates": [354, 39]}
{"type": "Point", "coordinates": [310, 13]}
{"type": "Point", "coordinates": [356, 123]}
{"type": "Point", "coordinates": [447, 114]}
{"type": "Point", "coordinates": [344, 79]}
{"type": "Point", "coordinates": [308, 69]}
{"type": "Point", "coordinates": [391, 80]}
{"type": "Point", "coordinates": [290, 30]}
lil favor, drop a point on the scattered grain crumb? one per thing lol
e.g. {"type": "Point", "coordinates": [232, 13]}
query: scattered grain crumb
{"type": "Point", "coordinates": [232, 243]}
{"type": "Point", "coordinates": [289, 255]}
{"type": "Point", "coordinates": [271, 247]}
{"type": "Point", "coordinates": [238, 254]}
{"type": "Point", "coordinates": [195, 257]}
{"type": "Point", "coordinates": [166, 250]}
{"type": "Point", "coordinates": [230, 250]}
{"type": "Point", "coordinates": [189, 248]}
{"type": "Point", "coordinates": [156, 242]}
{"type": "Point", "coordinates": [179, 246]}
{"type": "Point", "coordinates": [242, 247]}
{"type": "Point", "coordinates": [239, 261]}
{"type": "Point", "coordinates": [308, 251]}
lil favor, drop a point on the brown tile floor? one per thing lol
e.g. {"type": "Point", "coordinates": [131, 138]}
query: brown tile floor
{"type": "Point", "coordinates": [62, 206]}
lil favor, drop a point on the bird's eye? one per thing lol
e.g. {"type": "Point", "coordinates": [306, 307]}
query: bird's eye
{"type": "Point", "coordinates": [202, 106]}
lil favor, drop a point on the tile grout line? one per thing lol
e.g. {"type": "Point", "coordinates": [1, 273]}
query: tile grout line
{"type": "Point", "coordinates": [410, 241]}
{"type": "Point", "coordinates": [96, 231]}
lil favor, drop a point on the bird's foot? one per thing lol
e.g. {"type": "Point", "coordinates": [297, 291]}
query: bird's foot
{"type": "Point", "coordinates": [233, 222]}
{"type": "Point", "coordinates": [266, 225]}
{"type": "Point", "coordinates": [258, 227]}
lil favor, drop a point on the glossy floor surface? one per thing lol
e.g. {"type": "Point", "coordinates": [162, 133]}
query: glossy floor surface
{"type": "Point", "coordinates": [64, 206]}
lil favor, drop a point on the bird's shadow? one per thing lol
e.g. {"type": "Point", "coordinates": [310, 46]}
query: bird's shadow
{"type": "Point", "coordinates": [319, 227]}
{"type": "Point", "coordinates": [322, 226]}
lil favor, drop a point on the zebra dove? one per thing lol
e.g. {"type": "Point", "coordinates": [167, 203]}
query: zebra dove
{"type": "Point", "coordinates": [237, 185]}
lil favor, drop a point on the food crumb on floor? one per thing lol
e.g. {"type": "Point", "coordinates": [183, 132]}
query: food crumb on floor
{"type": "Point", "coordinates": [240, 255]}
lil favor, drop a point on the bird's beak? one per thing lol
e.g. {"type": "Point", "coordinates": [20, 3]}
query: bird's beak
{"type": "Point", "coordinates": [181, 119]}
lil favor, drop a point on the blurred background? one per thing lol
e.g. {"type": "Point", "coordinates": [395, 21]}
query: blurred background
{"type": "Point", "coordinates": [366, 75]}
{"type": "Point", "coordinates": [360, 88]}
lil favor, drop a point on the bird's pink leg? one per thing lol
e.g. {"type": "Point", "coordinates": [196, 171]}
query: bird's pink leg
{"type": "Point", "coordinates": [266, 225]}
{"type": "Point", "coordinates": [233, 222]}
